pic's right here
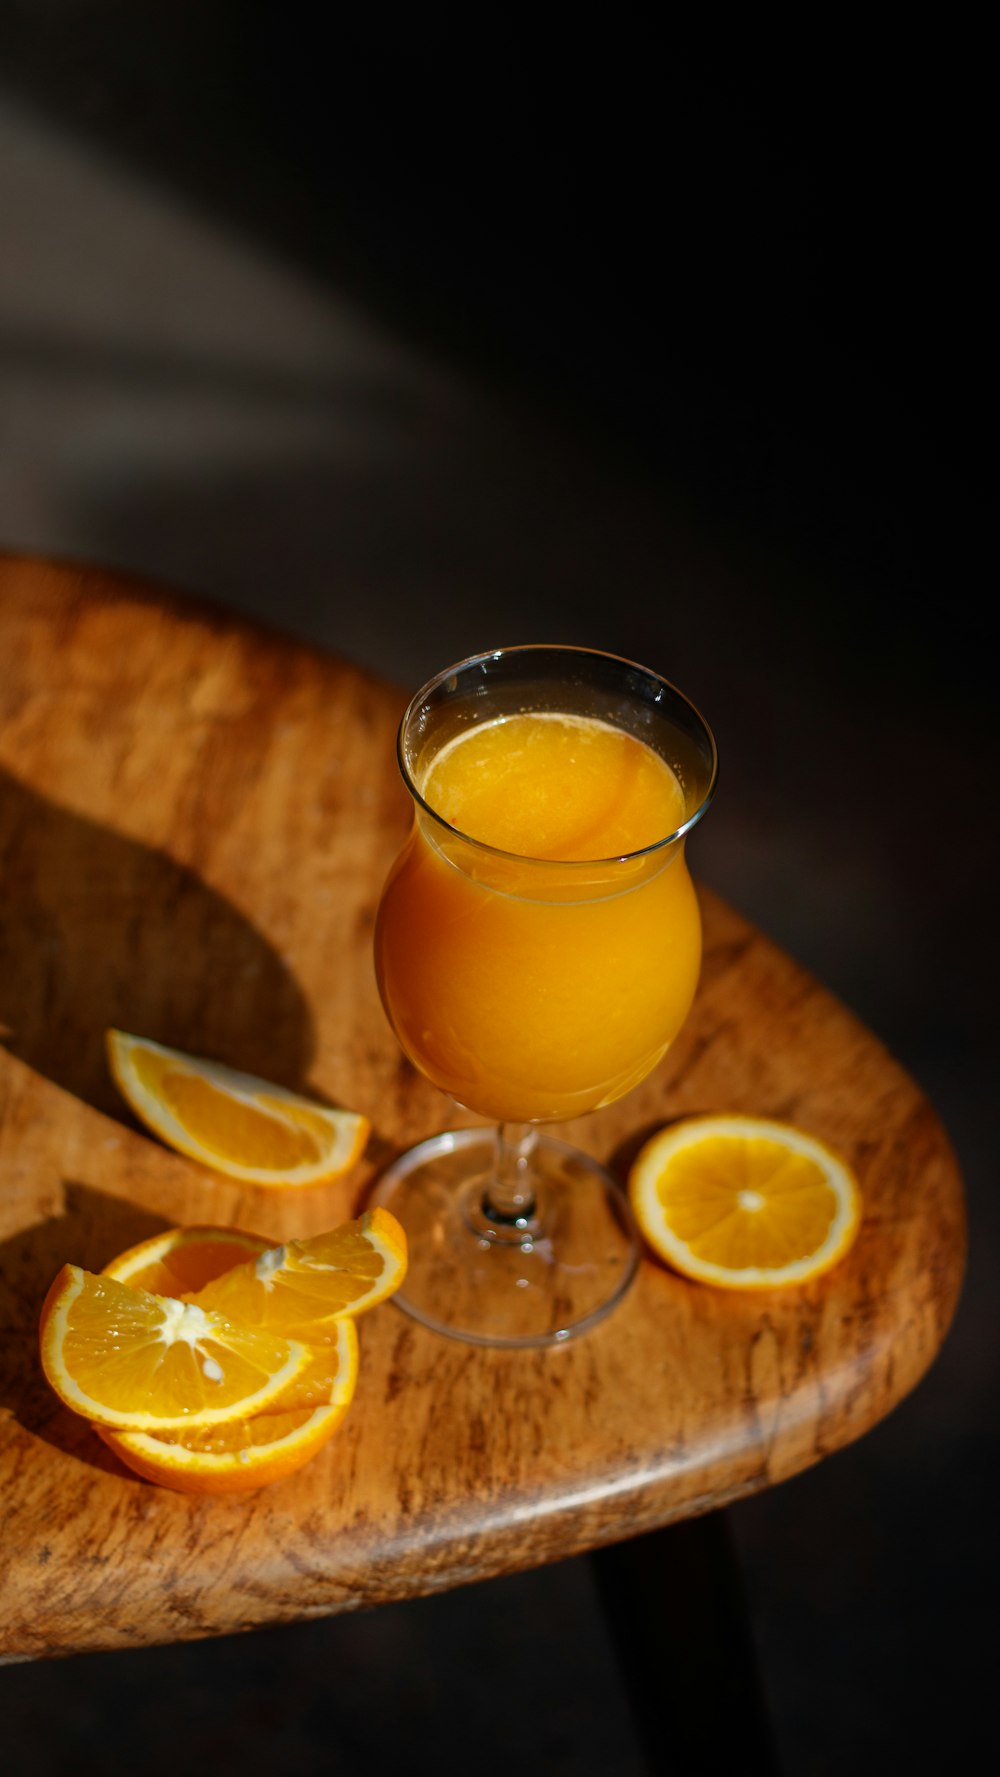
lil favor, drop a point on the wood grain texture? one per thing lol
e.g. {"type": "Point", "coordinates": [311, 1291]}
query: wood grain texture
{"type": "Point", "coordinates": [195, 820]}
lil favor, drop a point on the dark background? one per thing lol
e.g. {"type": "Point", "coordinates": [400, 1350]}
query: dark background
{"type": "Point", "coordinates": [420, 335]}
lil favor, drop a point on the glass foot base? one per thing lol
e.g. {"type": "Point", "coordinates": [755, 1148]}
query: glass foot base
{"type": "Point", "coordinates": [539, 1281]}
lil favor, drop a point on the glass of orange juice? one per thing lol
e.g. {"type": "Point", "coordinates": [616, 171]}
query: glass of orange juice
{"type": "Point", "coordinates": [537, 949]}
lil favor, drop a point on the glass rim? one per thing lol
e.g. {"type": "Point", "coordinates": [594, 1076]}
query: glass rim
{"type": "Point", "coordinates": [568, 864]}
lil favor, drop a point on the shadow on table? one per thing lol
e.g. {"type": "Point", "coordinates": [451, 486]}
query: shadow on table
{"type": "Point", "coordinates": [101, 931]}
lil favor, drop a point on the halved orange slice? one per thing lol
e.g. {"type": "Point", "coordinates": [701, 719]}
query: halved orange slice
{"type": "Point", "coordinates": [743, 1202]}
{"type": "Point", "coordinates": [237, 1123]}
{"type": "Point", "coordinates": [137, 1362]}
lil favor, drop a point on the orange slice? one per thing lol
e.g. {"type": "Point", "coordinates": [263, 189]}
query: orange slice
{"type": "Point", "coordinates": [138, 1362]}
{"type": "Point", "coordinates": [744, 1203]}
{"type": "Point", "coordinates": [236, 1123]}
{"type": "Point", "coordinates": [303, 1289]}
{"type": "Point", "coordinates": [234, 1459]}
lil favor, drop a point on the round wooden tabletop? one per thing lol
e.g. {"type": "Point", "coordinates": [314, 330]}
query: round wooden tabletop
{"type": "Point", "coordinates": [196, 817]}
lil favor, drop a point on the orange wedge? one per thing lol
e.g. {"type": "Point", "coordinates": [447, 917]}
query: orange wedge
{"type": "Point", "coordinates": [744, 1203]}
{"type": "Point", "coordinates": [236, 1123]}
{"type": "Point", "coordinates": [302, 1290]}
{"type": "Point", "coordinates": [138, 1362]}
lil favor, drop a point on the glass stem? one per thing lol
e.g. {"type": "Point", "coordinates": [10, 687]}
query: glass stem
{"type": "Point", "coordinates": [509, 1197]}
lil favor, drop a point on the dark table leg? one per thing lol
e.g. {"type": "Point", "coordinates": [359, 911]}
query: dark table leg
{"type": "Point", "coordinates": [673, 1602]}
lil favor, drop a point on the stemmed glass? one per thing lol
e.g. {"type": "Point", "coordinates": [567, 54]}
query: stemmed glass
{"type": "Point", "coordinates": [532, 990]}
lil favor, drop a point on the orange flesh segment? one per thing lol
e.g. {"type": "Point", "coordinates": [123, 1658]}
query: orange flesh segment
{"type": "Point", "coordinates": [279, 1136]}
{"type": "Point", "coordinates": [187, 1270]}
{"type": "Point", "coordinates": [701, 1197]}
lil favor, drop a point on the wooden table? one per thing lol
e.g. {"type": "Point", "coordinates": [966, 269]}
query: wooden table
{"type": "Point", "coordinates": [195, 820]}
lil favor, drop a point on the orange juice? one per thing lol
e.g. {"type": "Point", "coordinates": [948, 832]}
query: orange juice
{"type": "Point", "coordinates": [532, 965]}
